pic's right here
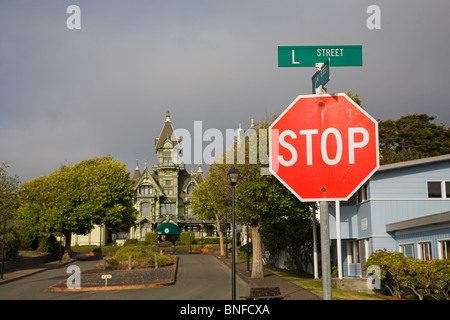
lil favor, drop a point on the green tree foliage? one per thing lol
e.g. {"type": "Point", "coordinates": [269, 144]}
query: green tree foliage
{"type": "Point", "coordinates": [412, 137]}
{"type": "Point", "coordinates": [9, 202]}
{"type": "Point", "coordinates": [262, 200]}
{"type": "Point", "coordinates": [92, 192]}
{"type": "Point", "coordinates": [212, 200]}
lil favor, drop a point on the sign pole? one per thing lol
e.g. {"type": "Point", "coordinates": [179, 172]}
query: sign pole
{"type": "Point", "coordinates": [325, 250]}
{"type": "Point", "coordinates": [338, 238]}
{"type": "Point", "coordinates": [324, 210]}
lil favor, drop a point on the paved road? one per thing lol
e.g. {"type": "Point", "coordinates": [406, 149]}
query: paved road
{"type": "Point", "coordinates": [200, 277]}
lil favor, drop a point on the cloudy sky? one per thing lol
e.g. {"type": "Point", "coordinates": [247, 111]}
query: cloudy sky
{"type": "Point", "coordinates": [68, 95]}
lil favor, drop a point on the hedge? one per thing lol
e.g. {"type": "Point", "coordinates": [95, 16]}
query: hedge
{"type": "Point", "coordinates": [138, 254]}
{"type": "Point", "coordinates": [426, 280]}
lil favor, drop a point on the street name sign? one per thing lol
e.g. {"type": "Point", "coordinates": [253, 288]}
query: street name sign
{"type": "Point", "coordinates": [323, 147]}
{"type": "Point", "coordinates": [308, 56]}
{"type": "Point", "coordinates": [321, 77]}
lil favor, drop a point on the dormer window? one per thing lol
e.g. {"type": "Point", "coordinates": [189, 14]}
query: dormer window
{"type": "Point", "coordinates": [190, 188]}
{"type": "Point", "coordinates": [144, 190]}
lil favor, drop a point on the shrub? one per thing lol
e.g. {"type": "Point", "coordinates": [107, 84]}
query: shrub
{"type": "Point", "coordinates": [130, 242]}
{"type": "Point", "coordinates": [165, 244]}
{"type": "Point", "coordinates": [151, 238]}
{"type": "Point", "coordinates": [136, 253]}
{"type": "Point", "coordinates": [187, 237]}
{"type": "Point", "coordinates": [393, 266]}
{"type": "Point", "coordinates": [426, 279]}
{"type": "Point", "coordinates": [162, 260]}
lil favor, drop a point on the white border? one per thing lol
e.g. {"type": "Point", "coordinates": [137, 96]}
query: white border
{"type": "Point", "coordinates": [315, 96]}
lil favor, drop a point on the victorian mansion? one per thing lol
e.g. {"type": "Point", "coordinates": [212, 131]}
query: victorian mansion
{"type": "Point", "coordinates": [162, 197]}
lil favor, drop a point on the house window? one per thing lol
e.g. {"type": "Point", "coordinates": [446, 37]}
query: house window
{"type": "Point", "coordinates": [359, 197]}
{"type": "Point", "coordinates": [444, 248]}
{"type": "Point", "coordinates": [438, 189]}
{"type": "Point", "coordinates": [146, 190]}
{"type": "Point", "coordinates": [352, 251]}
{"type": "Point", "coordinates": [167, 182]}
{"type": "Point", "coordinates": [168, 191]}
{"type": "Point", "coordinates": [408, 250]}
{"type": "Point", "coordinates": [434, 189]}
{"type": "Point", "coordinates": [425, 251]}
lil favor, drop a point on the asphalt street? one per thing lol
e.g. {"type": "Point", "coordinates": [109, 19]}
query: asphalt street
{"type": "Point", "coordinates": [200, 277]}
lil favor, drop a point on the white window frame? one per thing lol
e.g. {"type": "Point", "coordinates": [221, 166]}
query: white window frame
{"type": "Point", "coordinates": [353, 252]}
{"type": "Point", "coordinates": [442, 246]}
{"type": "Point", "coordinates": [401, 247]}
{"type": "Point", "coordinates": [420, 254]}
{"type": "Point", "coordinates": [443, 189]}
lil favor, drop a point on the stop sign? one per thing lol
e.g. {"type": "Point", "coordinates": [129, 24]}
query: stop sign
{"type": "Point", "coordinates": [323, 147]}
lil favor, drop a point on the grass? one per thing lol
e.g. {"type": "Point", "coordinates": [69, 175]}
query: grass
{"type": "Point", "coordinates": [315, 286]}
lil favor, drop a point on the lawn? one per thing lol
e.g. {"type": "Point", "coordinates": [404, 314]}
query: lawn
{"type": "Point", "coordinates": [315, 286]}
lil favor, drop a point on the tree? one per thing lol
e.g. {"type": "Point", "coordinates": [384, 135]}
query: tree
{"type": "Point", "coordinates": [260, 198]}
{"type": "Point", "coordinates": [212, 199]}
{"type": "Point", "coordinates": [412, 137]}
{"type": "Point", "coordinates": [93, 192]}
{"type": "Point", "coordinates": [9, 202]}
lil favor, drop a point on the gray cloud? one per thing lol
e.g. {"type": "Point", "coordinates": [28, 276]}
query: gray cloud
{"type": "Point", "coordinates": [70, 95]}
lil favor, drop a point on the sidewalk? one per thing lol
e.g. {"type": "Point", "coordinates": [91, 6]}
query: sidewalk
{"type": "Point", "coordinates": [289, 290]}
{"type": "Point", "coordinates": [16, 274]}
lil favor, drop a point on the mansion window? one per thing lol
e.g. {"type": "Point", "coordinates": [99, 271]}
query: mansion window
{"type": "Point", "coordinates": [146, 190]}
{"type": "Point", "coordinates": [145, 209]}
{"type": "Point", "coordinates": [167, 157]}
{"type": "Point", "coordinates": [168, 191]}
{"type": "Point", "coordinates": [190, 188]}
{"type": "Point", "coordinates": [188, 209]}
{"type": "Point", "coordinates": [438, 189]}
{"type": "Point", "coordinates": [167, 208]}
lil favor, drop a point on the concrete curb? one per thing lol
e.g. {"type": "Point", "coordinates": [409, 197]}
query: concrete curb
{"type": "Point", "coordinates": [60, 287]}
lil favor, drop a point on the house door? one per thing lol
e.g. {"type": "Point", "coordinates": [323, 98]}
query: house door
{"type": "Point", "coordinates": [145, 227]}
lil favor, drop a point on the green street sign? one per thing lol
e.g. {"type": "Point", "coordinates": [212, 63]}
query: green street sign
{"type": "Point", "coordinates": [308, 56]}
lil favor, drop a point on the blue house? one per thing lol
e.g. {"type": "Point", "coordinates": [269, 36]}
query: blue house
{"type": "Point", "coordinates": [403, 207]}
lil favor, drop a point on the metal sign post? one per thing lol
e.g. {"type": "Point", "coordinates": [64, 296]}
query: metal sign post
{"type": "Point", "coordinates": [325, 250]}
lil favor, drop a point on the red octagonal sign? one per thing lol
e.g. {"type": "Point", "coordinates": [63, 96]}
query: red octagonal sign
{"type": "Point", "coordinates": [323, 147]}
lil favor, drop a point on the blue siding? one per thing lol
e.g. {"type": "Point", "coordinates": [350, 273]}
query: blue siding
{"type": "Point", "coordinates": [423, 236]}
{"type": "Point", "coordinates": [393, 195]}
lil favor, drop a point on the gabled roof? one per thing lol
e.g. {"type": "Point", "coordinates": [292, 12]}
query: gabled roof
{"type": "Point", "coordinates": [147, 175]}
{"type": "Point", "coordinates": [166, 132]}
{"type": "Point", "coordinates": [416, 162]}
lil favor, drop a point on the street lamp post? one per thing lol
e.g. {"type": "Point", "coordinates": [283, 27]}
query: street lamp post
{"type": "Point", "coordinates": [233, 175]}
{"type": "Point", "coordinates": [60, 236]}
